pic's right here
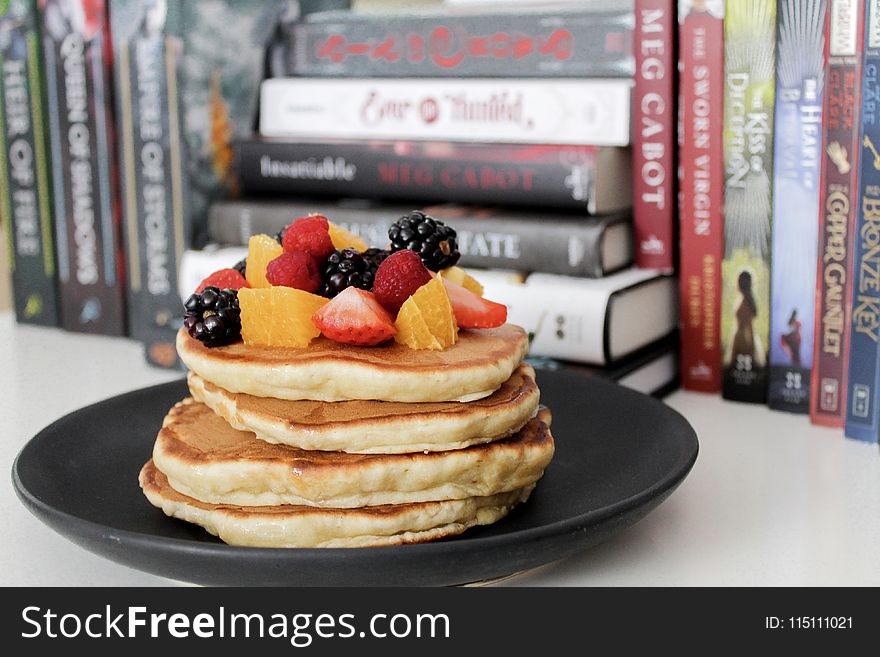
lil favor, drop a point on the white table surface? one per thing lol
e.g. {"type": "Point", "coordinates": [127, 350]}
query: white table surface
{"type": "Point", "coordinates": [772, 499]}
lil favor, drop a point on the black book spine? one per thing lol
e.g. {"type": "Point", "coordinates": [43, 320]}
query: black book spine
{"type": "Point", "coordinates": [553, 176]}
{"type": "Point", "coordinates": [488, 238]}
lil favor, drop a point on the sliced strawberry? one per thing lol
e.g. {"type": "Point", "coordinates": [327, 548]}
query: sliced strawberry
{"type": "Point", "coordinates": [472, 311]}
{"type": "Point", "coordinates": [224, 279]}
{"type": "Point", "coordinates": [355, 317]}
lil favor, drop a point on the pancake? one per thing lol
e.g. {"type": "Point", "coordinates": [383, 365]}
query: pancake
{"type": "Point", "coordinates": [473, 368]}
{"type": "Point", "coordinates": [303, 526]}
{"type": "Point", "coordinates": [377, 427]}
{"type": "Point", "coordinates": [206, 459]}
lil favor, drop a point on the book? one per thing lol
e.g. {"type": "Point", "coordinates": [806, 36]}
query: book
{"type": "Point", "coordinates": [25, 178]}
{"type": "Point", "coordinates": [87, 212]}
{"type": "Point", "coordinates": [652, 370]}
{"type": "Point", "coordinates": [181, 102]}
{"type": "Point", "coordinates": [653, 133]}
{"type": "Point", "coordinates": [862, 420]}
{"type": "Point", "coordinates": [597, 179]}
{"type": "Point", "coordinates": [597, 321]}
{"type": "Point", "coordinates": [701, 191]}
{"type": "Point", "coordinates": [553, 111]}
{"type": "Point", "coordinates": [800, 86]}
{"type": "Point", "coordinates": [837, 202]}
{"type": "Point", "coordinates": [563, 243]}
{"type": "Point", "coordinates": [590, 42]}
{"type": "Point", "coordinates": [749, 77]}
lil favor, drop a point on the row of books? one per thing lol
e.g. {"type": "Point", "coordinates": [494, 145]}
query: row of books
{"type": "Point", "coordinates": [778, 238]}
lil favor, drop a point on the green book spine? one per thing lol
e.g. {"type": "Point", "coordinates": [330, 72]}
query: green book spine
{"type": "Point", "coordinates": [749, 83]}
{"type": "Point", "coordinates": [25, 201]}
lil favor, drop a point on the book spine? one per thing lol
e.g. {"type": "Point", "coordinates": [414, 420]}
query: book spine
{"type": "Point", "coordinates": [749, 73]}
{"type": "Point", "coordinates": [25, 193]}
{"type": "Point", "coordinates": [567, 177]}
{"type": "Point", "coordinates": [839, 169]}
{"type": "Point", "coordinates": [701, 194]}
{"type": "Point", "coordinates": [800, 86]}
{"type": "Point", "coordinates": [487, 238]}
{"type": "Point", "coordinates": [861, 410]}
{"type": "Point", "coordinates": [585, 44]}
{"type": "Point", "coordinates": [152, 178]}
{"type": "Point", "coordinates": [653, 133]}
{"type": "Point", "coordinates": [583, 112]}
{"type": "Point", "coordinates": [86, 212]}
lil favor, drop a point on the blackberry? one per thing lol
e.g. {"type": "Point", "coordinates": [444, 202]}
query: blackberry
{"type": "Point", "coordinates": [241, 267]}
{"type": "Point", "coordinates": [279, 236]}
{"type": "Point", "coordinates": [213, 316]}
{"type": "Point", "coordinates": [346, 268]}
{"type": "Point", "coordinates": [433, 240]}
{"type": "Point", "coordinates": [375, 257]}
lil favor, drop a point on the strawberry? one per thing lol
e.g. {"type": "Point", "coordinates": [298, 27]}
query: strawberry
{"type": "Point", "coordinates": [472, 311]}
{"type": "Point", "coordinates": [297, 269]}
{"type": "Point", "coordinates": [310, 234]}
{"type": "Point", "coordinates": [398, 277]}
{"type": "Point", "coordinates": [224, 279]}
{"type": "Point", "coordinates": [355, 317]}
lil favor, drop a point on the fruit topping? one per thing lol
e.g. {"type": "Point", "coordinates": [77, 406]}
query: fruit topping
{"type": "Point", "coordinates": [223, 279]}
{"type": "Point", "coordinates": [460, 276]}
{"type": "Point", "coordinates": [309, 234]}
{"type": "Point", "coordinates": [398, 278]}
{"type": "Point", "coordinates": [375, 257]}
{"type": "Point", "coordinates": [297, 269]}
{"type": "Point", "coordinates": [262, 250]}
{"type": "Point", "coordinates": [426, 319]}
{"type": "Point", "coordinates": [279, 316]}
{"type": "Point", "coordinates": [433, 240]}
{"type": "Point", "coordinates": [355, 317]}
{"type": "Point", "coordinates": [343, 239]}
{"type": "Point", "coordinates": [344, 269]}
{"type": "Point", "coordinates": [471, 310]}
{"type": "Point", "coordinates": [241, 267]}
{"type": "Point", "coordinates": [212, 316]}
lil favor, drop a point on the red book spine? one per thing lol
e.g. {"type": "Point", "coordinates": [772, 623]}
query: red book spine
{"type": "Point", "coordinates": [701, 196]}
{"type": "Point", "coordinates": [653, 128]}
{"type": "Point", "coordinates": [839, 176]}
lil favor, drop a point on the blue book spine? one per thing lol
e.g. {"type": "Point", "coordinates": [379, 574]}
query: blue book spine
{"type": "Point", "coordinates": [861, 413]}
{"type": "Point", "coordinates": [797, 149]}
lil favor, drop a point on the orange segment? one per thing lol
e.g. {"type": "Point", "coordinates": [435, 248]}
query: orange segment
{"type": "Point", "coordinates": [426, 320]}
{"type": "Point", "coordinates": [342, 239]}
{"type": "Point", "coordinates": [278, 316]}
{"type": "Point", "coordinates": [461, 277]}
{"type": "Point", "coordinates": [262, 250]}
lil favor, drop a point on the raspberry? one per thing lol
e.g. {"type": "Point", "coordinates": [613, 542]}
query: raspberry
{"type": "Point", "coordinates": [309, 234]}
{"type": "Point", "coordinates": [224, 279]}
{"type": "Point", "coordinates": [398, 277]}
{"type": "Point", "coordinates": [298, 270]}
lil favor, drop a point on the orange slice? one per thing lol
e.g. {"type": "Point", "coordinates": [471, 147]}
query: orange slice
{"type": "Point", "coordinates": [278, 316]}
{"type": "Point", "coordinates": [262, 250]}
{"type": "Point", "coordinates": [426, 319]}
{"type": "Point", "coordinates": [343, 239]}
{"type": "Point", "coordinates": [461, 277]}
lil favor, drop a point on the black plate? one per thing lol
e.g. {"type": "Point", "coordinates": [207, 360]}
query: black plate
{"type": "Point", "coordinates": [618, 455]}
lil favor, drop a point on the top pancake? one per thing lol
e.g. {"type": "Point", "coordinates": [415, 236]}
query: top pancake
{"type": "Point", "coordinates": [471, 369]}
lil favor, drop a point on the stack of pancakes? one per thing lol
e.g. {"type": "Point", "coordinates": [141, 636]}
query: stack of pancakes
{"type": "Point", "coordinates": [343, 446]}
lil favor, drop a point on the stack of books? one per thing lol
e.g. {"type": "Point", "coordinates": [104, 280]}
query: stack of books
{"type": "Point", "coordinates": [514, 127]}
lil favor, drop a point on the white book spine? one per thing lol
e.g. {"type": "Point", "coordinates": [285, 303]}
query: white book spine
{"type": "Point", "coordinates": [577, 112]}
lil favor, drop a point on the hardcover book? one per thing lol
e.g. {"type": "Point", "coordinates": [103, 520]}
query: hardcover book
{"type": "Point", "coordinates": [25, 192]}
{"type": "Point", "coordinates": [837, 202]}
{"type": "Point", "coordinates": [575, 42]}
{"type": "Point", "coordinates": [562, 243]}
{"type": "Point", "coordinates": [800, 85]}
{"type": "Point", "coordinates": [76, 43]}
{"type": "Point", "coordinates": [554, 111]}
{"type": "Point", "coordinates": [749, 77]}
{"type": "Point", "coordinates": [861, 410]}
{"type": "Point", "coordinates": [591, 178]}
{"type": "Point", "coordinates": [701, 190]}
{"type": "Point", "coordinates": [654, 118]}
